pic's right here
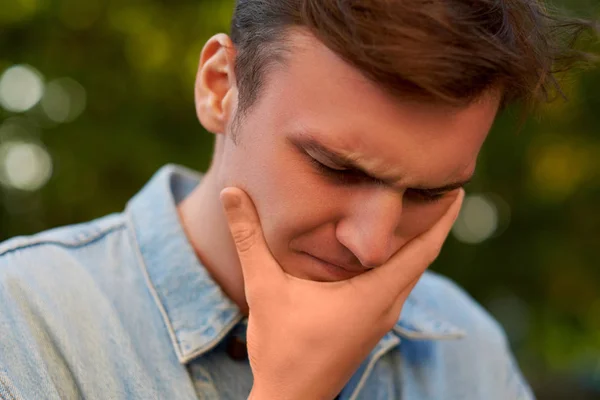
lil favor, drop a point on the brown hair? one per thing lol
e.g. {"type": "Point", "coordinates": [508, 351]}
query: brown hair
{"type": "Point", "coordinates": [448, 51]}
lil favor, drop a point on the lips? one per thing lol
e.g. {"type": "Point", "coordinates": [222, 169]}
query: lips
{"type": "Point", "coordinates": [344, 266]}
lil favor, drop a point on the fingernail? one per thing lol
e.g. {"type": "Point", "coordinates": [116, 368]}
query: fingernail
{"type": "Point", "coordinates": [230, 200]}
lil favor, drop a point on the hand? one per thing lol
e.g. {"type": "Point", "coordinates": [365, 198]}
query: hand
{"type": "Point", "coordinates": [305, 338]}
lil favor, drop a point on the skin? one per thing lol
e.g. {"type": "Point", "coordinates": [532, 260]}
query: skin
{"type": "Point", "coordinates": [318, 225]}
{"type": "Point", "coordinates": [297, 338]}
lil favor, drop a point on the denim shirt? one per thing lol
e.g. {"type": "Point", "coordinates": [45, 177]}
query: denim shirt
{"type": "Point", "coordinates": [121, 308]}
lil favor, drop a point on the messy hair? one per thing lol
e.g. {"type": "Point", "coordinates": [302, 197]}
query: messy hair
{"type": "Point", "coordinates": [447, 51]}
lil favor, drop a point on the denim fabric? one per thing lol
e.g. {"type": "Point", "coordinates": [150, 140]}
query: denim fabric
{"type": "Point", "coordinates": [121, 308]}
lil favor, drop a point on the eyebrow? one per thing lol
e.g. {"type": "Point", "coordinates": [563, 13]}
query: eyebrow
{"type": "Point", "coordinates": [311, 144]}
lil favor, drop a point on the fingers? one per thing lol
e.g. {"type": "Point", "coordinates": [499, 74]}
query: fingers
{"type": "Point", "coordinates": [390, 279]}
{"type": "Point", "coordinates": [246, 231]}
{"type": "Point", "coordinates": [425, 248]}
{"type": "Point", "coordinates": [397, 306]}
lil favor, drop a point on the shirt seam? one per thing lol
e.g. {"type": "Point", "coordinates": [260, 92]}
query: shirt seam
{"type": "Point", "coordinates": [152, 289]}
{"type": "Point", "coordinates": [407, 334]}
{"type": "Point", "coordinates": [213, 343]}
{"type": "Point", "coordinates": [181, 356]}
{"type": "Point", "coordinates": [6, 389]}
{"type": "Point", "coordinates": [49, 241]}
{"type": "Point", "coordinates": [430, 315]}
{"type": "Point", "coordinates": [371, 364]}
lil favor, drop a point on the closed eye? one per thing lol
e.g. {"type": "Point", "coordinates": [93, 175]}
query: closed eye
{"type": "Point", "coordinates": [343, 175]}
{"type": "Point", "coordinates": [424, 196]}
{"type": "Point", "coordinates": [348, 176]}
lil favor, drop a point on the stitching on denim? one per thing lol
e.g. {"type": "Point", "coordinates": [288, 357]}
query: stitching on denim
{"type": "Point", "coordinates": [432, 315]}
{"type": "Point", "coordinates": [369, 369]}
{"type": "Point", "coordinates": [152, 289]}
{"type": "Point", "coordinates": [427, 336]}
{"type": "Point", "coordinates": [213, 343]}
{"type": "Point", "coordinates": [35, 242]}
{"type": "Point", "coordinates": [182, 356]}
{"type": "Point", "coordinates": [6, 389]}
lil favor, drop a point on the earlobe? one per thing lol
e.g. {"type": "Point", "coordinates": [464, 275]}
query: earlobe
{"type": "Point", "coordinates": [215, 83]}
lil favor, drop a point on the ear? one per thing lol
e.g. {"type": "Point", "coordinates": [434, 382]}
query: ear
{"type": "Point", "coordinates": [215, 90]}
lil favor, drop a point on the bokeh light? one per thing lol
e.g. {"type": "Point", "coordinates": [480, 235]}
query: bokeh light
{"type": "Point", "coordinates": [18, 10]}
{"type": "Point", "coordinates": [24, 166]}
{"type": "Point", "coordinates": [21, 88]}
{"type": "Point", "coordinates": [19, 128]}
{"type": "Point", "coordinates": [559, 168]}
{"type": "Point", "coordinates": [478, 220]}
{"type": "Point", "coordinates": [64, 100]}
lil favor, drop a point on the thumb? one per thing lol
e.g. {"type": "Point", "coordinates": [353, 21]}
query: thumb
{"type": "Point", "coordinates": [246, 231]}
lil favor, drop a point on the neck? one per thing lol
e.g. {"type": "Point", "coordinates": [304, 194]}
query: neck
{"type": "Point", "coordinates": [205, 225]}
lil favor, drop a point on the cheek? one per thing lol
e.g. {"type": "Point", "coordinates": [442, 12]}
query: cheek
{"type": "Point", "coordinates": [292, 205]}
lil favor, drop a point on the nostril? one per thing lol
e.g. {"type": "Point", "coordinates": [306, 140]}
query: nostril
{"type": "Point", "coordinates": [371, 239]}
{"type": "Point", "coordinates": [374, 260]}
{"type": "Point", "coordinates": [368, 253]}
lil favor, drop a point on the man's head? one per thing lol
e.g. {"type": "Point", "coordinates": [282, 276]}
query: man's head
{"type": "Point", "coordinates": [352, 124]}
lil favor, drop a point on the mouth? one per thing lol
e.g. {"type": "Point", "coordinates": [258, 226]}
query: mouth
{"type": "Point", "coordinates": [330, 271]}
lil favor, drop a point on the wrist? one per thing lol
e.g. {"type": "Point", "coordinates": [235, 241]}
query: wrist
{"type": "Point", "coordinates": [268, 392]}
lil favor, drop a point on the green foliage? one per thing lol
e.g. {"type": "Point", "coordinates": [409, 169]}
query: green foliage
{"type": "Point", "coordinates": [137, 61]}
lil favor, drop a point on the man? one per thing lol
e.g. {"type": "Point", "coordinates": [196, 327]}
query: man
{"type": "Point", "coordinates": [345, 132]}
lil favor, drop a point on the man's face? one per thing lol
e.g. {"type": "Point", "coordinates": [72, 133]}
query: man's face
{"type": "Point", "coordinates": [342, 174]}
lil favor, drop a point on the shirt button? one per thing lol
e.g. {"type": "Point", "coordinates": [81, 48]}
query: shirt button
{"type": "Point", "coordinates": [236, 349]}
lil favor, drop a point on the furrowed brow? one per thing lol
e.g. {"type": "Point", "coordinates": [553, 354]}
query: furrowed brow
{"type": "Point", "coordinates": [311, 144]}
{"type": "Point", "coordinates": [338, 158]}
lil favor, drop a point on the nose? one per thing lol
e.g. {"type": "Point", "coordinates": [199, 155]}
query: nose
{"type": "Point", "coordinates": [369, 229]}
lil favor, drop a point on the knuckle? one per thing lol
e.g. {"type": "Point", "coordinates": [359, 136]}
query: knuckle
{"type": "Point", "coordinates": [244, 238]}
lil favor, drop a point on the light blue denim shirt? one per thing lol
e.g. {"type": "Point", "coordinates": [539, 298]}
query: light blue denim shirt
{"type": "Point", "coordinates": [121, 308]}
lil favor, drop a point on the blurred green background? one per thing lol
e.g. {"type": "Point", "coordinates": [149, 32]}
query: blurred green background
{"type": "Point", "coordinates": [96, 95]}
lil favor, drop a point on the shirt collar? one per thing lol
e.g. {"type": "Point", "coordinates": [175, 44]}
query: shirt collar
{"type": "Point", "coordinates": [418, 321]}
{"type": "Point", "coordinates": [196, 312]}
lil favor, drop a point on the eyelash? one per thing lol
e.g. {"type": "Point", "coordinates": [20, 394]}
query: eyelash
{"type": "Point", "coordinates": [343, 176]}
{"type": "Point", "coordinates": [428, 197]}
{"type": "Point", "coordinates": [349, 177]}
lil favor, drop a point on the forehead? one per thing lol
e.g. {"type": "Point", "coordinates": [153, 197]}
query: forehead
{"type": "Point", "coordinates": [316, 92]}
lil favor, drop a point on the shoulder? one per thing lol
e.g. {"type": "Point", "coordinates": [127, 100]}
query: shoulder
{"type": "Point", "coordinates": [451, 303]}
{"type": "Point", "coordinates": [50, 290]}
{"type": "Point", "coordinates": [71, 236]}
{"type": "Point", "coordinates": [50, 263]}
{"type": "Point", "coordinates": [33, 263]}
{"type": "Point", "coordinates": [481, 358]}
{"type": "Point", "coordinates": [440, 301]}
